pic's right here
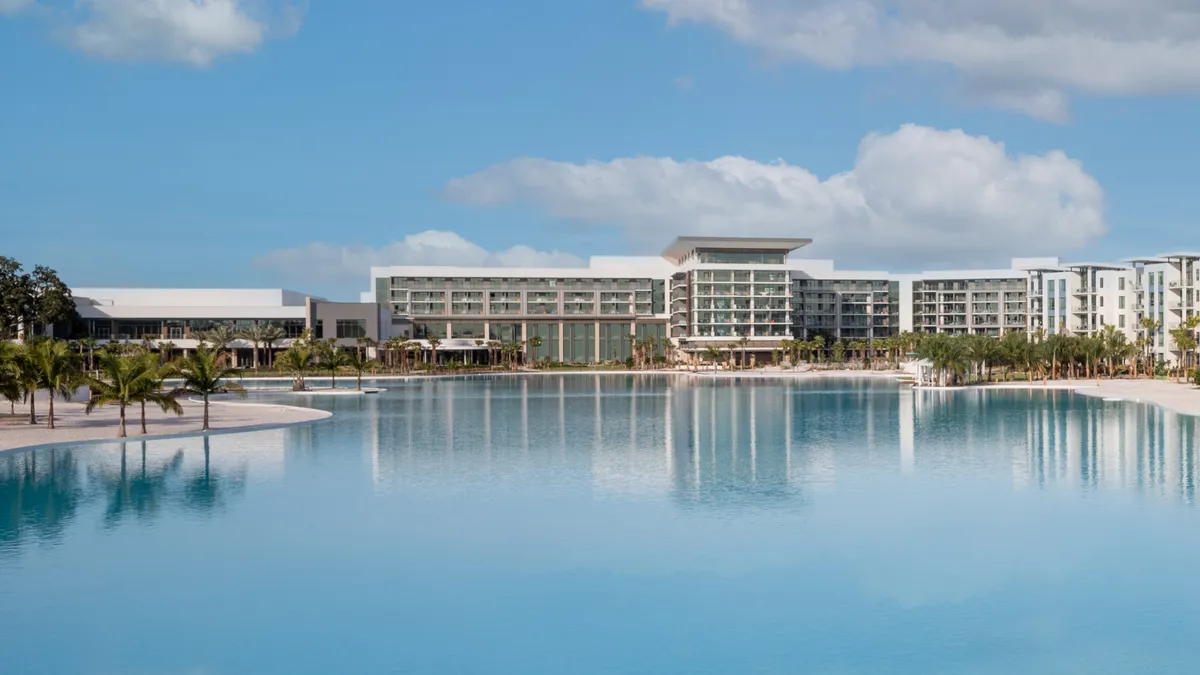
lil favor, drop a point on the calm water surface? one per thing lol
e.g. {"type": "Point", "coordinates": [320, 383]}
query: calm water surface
{"type": "Point", "coordinates": [617, 524]}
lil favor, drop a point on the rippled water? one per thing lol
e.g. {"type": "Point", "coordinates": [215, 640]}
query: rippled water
{"type": "Point", "coordinates": [617, 524]}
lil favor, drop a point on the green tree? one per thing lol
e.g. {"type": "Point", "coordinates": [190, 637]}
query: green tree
{"type": "Point", "coordinates": [120, 381]}
{"type": "Point", "coordinates": [298, 361]}
{"type": "Point", "coordinates": [434, 341]}
{"type": "Point", "coordinates": [713, 354]}
{"type": "Point", "coordinates": [330, 358]}
{"type": "Point", "coordinates": [742, 343]}
{"type": "Point", "coordinates": [152, 389]}
{"type": "Point", "coordinates": [28, 298]}
{"type": "Point", "coordinates": [360, 364]}
{"type": "Point", "coordinates": [56, 369]}
{"type": "Point", "coordinates": [534, 343]}
{"type": "Point", "coordinates": [839, 352]}
{"type": "Point", "coordinates": [205, 372]}
{"type": "Point", "coordinates": [257, 335]}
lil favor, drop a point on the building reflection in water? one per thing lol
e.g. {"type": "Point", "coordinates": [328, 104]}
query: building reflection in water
{"type": "Point", "coordinates": [702, 443]}
{"type": "Point", "coordinates": [749, 442]}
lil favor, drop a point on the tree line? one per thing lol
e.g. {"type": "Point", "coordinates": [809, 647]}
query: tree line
{"type": "Point", "coordinates": [124, 376]}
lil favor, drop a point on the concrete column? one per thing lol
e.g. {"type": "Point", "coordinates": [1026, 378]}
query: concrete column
{"type": "Point", "coordinates": [560, 335]}
{"type": "Point", "coordinates": [596, 329]}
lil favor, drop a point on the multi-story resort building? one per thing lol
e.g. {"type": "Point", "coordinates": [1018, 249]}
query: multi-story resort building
{"type": "Point", "coordinates": [710, 291]}
{"type": "Point", "coordinates": [700, 292]}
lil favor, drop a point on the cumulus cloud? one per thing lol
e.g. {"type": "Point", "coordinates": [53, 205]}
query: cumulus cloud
{"type": "Point", "coordinates": [191, 32]}
{"type": "Point", "coordinates": [1021, 54]}
{"type": "Point", "coordinates": [320, 262]}
{"type": "Point", "coordinates": [919, 195]}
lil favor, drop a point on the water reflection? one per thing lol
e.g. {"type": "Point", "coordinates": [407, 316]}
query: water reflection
{"type": "Point", "coordinates": [742, 442]}
{"type": "Point", "coordinates": [699, 443]}
{"type": "Point", "coordinates": [43, 491]}
{"type": "Point", "coordinates": [39, 495]}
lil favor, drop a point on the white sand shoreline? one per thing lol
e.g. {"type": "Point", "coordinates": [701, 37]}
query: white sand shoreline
{"type": "Point", "coordinates": [72, 425]}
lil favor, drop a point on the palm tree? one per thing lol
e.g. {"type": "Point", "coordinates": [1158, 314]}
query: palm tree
{"type": "Point", "coordinates": [713, 354]}
{"type": "Point", "coordinates": [255, 334]}
{"type": "Point", "coordinates": [433, 341]}
{"type": "Point", "coordinates": [166, 349]}
{"type": "Point", "coordinates": [839, 352]}
{"type": "Point", "coordinates": [330, 358]}
{"type": "Point", "coordinates": [119, 380]}
{"type": "Point", "coordinates": [359, 364]}
{"type": "Point", "coordinates": [89, 344]}
{"type": "Point", "coordinates": [1150, 326]}
{"type": "Point", "coordinates": [1190, 324]}
{"type": "Point", "coordinates": [10, 385]}
{"type": "Point", "coordinates": [1013, 349]}
{"type": "Point", "coordinates": [818, 343]}
{"type": "Point", "coordinates": [297, 360]}
{"type": "Point", "coordinates": [269, 334]}
{"type": "Point", "coordinates": [57, 370]}
{"type": "Point", "coordinates": [152, 389]}
{"type": "Point", "coordinates": [533, 344]}
{"type": "Point", "coordinates": [205, 373]}
{"type": "Point", "coordinates": [742, 343]}
{"type": "Point", "coordinates": [219, 336]}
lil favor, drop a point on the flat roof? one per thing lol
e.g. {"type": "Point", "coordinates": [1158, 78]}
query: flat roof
{"type": "Point", "coordinates": [684, 245]}
{"type": "Point", "coordinates": [1143, 259]}
{"type": "Point", "coordinates": [1179, 254]}
{"type": "Point", "coordinates": [1095, 265]}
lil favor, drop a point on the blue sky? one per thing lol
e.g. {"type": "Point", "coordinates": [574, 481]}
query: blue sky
{"type": "Point", "coordinates": [256, 143]}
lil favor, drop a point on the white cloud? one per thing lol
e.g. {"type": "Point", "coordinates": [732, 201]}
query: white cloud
{"type": "Point", "coordinates": [1027, 54]}
{"type": "Point", "coordinates": [319, 262]}
{"type": "Point", "coordinates": [192, 32]}
{"type": "Point", "coordinates": [919, 195]}
{"type": "Point", "coordinates": [14, 6]}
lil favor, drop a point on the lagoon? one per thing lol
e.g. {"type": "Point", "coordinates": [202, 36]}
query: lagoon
{"type": "Point", "coordinates": [617, 524]}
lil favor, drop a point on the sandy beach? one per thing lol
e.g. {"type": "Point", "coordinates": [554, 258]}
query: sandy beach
{"type": "Point", "coordinates": [73, 425]}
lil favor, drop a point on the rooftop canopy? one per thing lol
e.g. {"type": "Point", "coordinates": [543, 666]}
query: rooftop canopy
{"type": "Point", "coordinates": [684, 246]}
{"type": "Point", "coordinates": [1178, 255]}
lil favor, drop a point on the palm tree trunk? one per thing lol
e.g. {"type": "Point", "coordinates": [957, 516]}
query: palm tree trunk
{"type": "Point", "coordinates": [50, 420]}
{"type": "Point", "coordinates": [121, 429]}
{"type": "Point", "coordinates": [358, 382]}
{"type": "Point", "coordinates": [204, 427]}
{"type": "Point", "coordinates": [143, 418]}
{"type": "Point", "coordinates": [32, 407]}
{"type": "Point", "coordinates": [256, 357]}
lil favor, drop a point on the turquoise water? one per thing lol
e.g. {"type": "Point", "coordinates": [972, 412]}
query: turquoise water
{"type": "Point", "coordinates": [617, 524]}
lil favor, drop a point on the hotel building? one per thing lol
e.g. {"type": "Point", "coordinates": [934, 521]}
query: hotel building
{"type": "Point", "coordinates": [700, 292]}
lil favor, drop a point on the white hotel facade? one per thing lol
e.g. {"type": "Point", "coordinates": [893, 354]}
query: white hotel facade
{"type": "Point", "coordinates": [710, 291]}
{"type": "Point", "coordinates": [700, 292]}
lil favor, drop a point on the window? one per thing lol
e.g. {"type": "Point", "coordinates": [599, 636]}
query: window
{"type": "Point", "coordinates": [351, 328]}
{"type": "Point", "coordinates": [743, 257]}
{"type": "Point", "coordinates": [1120, 302]}
{"type": "Point", "coordinates": [467, 331]}
{"type": "Point", "coordinates": [293, 328]}
{"type": "Point", "coordinates": [1121, 321]}
{"type": "Point", "coordinates": [423, 331]}
{"type": "Point", "coordinates": [319, 329]}
{"type": "Point", "coordinates": [1120, 283]}
{"type": "Point", "coordinates": [1102, 301]}
{"type": "Point", "coordinates": [1101, 282]}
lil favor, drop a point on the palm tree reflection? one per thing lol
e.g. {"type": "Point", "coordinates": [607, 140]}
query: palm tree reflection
{"type": "Point", "coordinates": [40, 493]}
